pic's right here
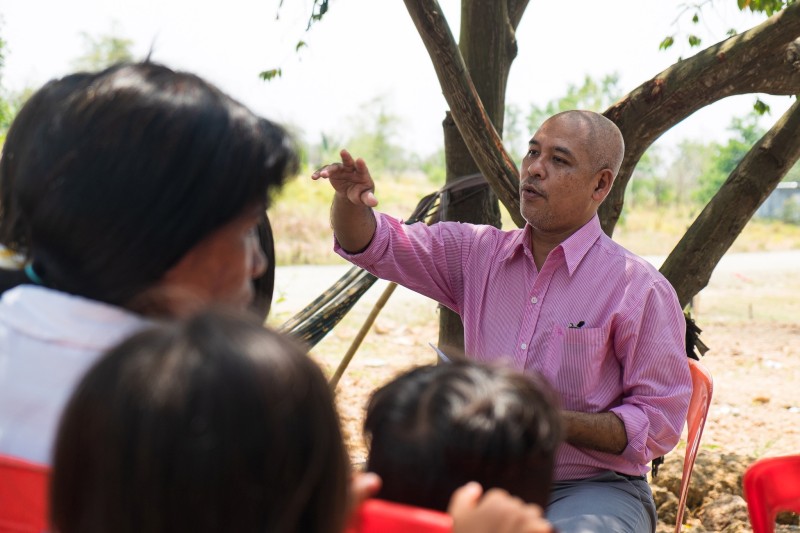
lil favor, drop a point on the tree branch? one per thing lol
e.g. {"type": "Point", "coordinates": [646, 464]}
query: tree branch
{"type": "Point", "coordinates": [466, 108]}
{"type": "Point", "coordinates": [515, 10]}
{"type": "Point", "coordinates": [691, 263]}
{"type": "Point", "coordinates": [764, 59]}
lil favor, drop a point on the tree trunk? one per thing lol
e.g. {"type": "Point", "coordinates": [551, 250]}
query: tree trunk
{"type": "Point", "coordinates": [474, 123]}
{"type": "Point", "coordinates": [691, 263]}
{"type": "Point", "coordinates": [487, 46]}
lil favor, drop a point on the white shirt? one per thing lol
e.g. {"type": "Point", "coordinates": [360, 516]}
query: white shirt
{"type": "Point", "coordinates": [48, 339]}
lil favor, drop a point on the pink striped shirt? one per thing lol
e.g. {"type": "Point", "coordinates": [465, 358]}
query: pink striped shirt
{"type": "Point", "coordinates": [625, 355]}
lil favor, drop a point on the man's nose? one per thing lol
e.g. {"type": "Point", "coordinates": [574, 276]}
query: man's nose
{"type": "Point", "coordinates": [535, 168]}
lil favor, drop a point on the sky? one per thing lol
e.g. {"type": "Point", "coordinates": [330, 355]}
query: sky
{"type": "Point", "coordinates": [367, 49]}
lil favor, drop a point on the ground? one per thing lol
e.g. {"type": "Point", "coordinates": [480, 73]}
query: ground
{"type": "Point", "coordinates": [750, 316]}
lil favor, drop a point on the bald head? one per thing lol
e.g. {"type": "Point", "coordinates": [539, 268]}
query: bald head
{"type": "Point", "coordinates": [602, 138]}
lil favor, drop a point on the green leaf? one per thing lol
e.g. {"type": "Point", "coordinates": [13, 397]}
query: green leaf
{"type": "Point", "coordinates": [743, 3]}
{"type": "Point", "coordinates": [666, 43]}
{"type": "Point", "coordinates": [299, 45]}
{"type": "Point", "coordinates": [696, 18]}
{"type": "Point", "coordinates": [268, 75]}
{"type": "Point", "coordinates": [761, 107]}
{"type": "Point", "coordinates": [731, 32]}
{"type": "Point", "coordinates": [694, 40]}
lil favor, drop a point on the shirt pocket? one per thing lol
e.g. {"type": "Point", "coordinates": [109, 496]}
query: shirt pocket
{"type": "Point", "coordinates": [578, 357]}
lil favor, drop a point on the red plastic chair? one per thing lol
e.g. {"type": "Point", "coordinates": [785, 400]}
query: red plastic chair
{"type": "Point", "coordinates": [771, 485]}
{"type": "Point", "coordinates": [381, 516]}
{"type": "Point", "coordinates": [702, 389]}
{"type": "Point", "coordinates": [23, 496]}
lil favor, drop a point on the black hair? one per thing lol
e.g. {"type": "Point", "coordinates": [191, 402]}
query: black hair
{"type": "Point", "coordinates": [123, 176]}
{"type": "Point", "coordinates": [213, 424]}
{"type": "Point", "coordinates": [34, 116]}
{"type": "Point", "coordinates": [435, 428]}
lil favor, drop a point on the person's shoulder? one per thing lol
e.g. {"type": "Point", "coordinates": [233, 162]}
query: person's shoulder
{"type": "Point", "coordinates": [479, 232]}
{"type": "Point", "coordinates": [627, 262]}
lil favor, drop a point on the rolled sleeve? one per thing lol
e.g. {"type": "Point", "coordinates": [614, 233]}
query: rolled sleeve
{"type": "Point", "coordinates": [374, 250]}
{"type": "Point", "coordinates": [657, 384]}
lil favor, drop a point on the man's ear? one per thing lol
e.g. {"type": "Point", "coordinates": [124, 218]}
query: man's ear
{"type": "Point", "coordinates": [604, 179]}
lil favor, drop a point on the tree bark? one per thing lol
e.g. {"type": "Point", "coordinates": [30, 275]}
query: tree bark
{"type": "Point", "coordinates": [691, 263]}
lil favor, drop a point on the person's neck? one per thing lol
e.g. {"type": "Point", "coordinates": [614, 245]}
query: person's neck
{"type": "Point", "coordinates": [542, 243]}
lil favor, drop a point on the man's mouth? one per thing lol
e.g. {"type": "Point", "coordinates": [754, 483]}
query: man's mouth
{"type": "Point", "coordinates": [529, 191]}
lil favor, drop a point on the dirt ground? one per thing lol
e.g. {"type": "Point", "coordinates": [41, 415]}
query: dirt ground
{"type": "Point", "coordinates": [750, 316]}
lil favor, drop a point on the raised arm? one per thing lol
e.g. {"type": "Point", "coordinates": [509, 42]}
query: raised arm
{"type": "Point", "coordinates": [351, 211]}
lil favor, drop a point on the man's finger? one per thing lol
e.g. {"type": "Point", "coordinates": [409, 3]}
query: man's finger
{"type": "Point", "coordinates": [368, 199]}
{"type": "Point", "coordinates": [324, 171]}
{"type": "Point", "coordinates": [347, 159]}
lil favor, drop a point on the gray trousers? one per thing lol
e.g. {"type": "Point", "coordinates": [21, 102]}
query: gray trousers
{"type": "Point", "coordinates": [607, 503]}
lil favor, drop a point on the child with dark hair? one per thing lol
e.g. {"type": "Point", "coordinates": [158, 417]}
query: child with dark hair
{"type": "Point", "coordinates": [218, 424]}
{"type": "Point", "coordinates": [135, 194]}
{"type": "Point", "coordinates": [215, 424]}
{"type": "Point", "coordinates": [434, 428]}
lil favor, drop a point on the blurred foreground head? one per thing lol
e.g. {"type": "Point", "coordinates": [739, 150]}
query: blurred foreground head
{"type": "Point", "coordinates": [208, 425]}
{"type": "Point", "coordinates": [438, 427]}
{"type": "Point", "coordinates": [109, 180]}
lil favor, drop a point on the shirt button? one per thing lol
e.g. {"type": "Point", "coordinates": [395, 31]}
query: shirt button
{"type": "Point", "coordinates": [523, 346]}
{"type": "Point", "coordinates": [534, 300]}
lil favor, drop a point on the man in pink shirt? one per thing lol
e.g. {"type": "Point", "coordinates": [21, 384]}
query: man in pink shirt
{"type": "Point", "coordinates": [557, 297]}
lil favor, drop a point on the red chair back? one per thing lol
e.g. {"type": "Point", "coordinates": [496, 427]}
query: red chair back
{"type": "Point", "coordinates": [380, 516]}
{"type": "Point", "coordinates": [702, 389]}
{"type": "Point", "coordinates": [771, 485]}
{"type": "Point", "coordinates": [23, 496]}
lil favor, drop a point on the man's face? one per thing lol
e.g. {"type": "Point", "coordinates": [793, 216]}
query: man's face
{"type": "Point", "coordinates": [557, 178]}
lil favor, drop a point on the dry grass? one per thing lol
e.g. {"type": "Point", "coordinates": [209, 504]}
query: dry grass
{"type": "Point", "coordinates": [300, 215]}
{"type": "Point", "coordinates": [303, 235]}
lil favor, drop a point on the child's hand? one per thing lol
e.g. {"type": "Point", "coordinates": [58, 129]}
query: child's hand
{"type": "Point", "coordinates": [496, 512]}
{"type": "Point", "coordinates": [363, 485]}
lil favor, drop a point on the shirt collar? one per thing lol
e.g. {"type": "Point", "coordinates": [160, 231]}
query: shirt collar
{"type": "Point", "coordinates": [577, 245]}
{"type": "Point", "coordinates": [521, 243]}
{"type": "Point", "coordinates": [574, 247]}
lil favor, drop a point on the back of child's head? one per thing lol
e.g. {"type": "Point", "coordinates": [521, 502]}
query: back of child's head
{"type": "Point", "coordinates": [213, 424]}
{"type": "Point", "coordinates": [436, 427]}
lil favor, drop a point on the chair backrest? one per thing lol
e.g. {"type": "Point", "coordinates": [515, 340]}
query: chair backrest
{"type": "Point", "coordinates": [23, 496]}
{"type": "Point", "coordinates": [771, 485]}
{"type": "Point", "coordinates": [702, 389]}
{"type": "Point", "coordinates": [381, 516]}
